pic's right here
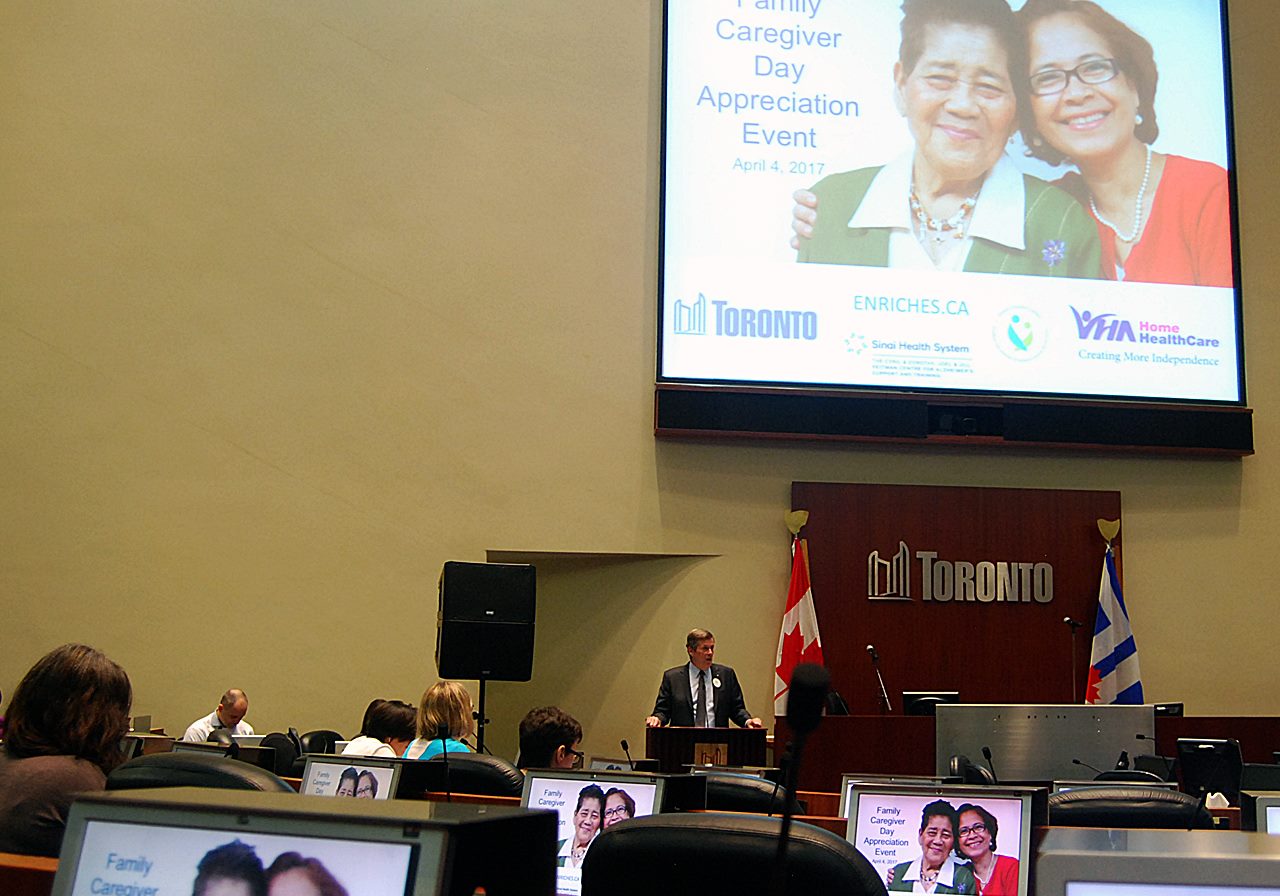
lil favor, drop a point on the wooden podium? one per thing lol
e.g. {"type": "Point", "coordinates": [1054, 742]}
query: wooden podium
{"type": "Point", "coordinates": [675, 748]}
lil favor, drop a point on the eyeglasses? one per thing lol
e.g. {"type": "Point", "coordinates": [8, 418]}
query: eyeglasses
{"type": "Point", "coordinates": [615, 812]}
{"type": "Point", "coordinates": [978, 828]}
{"type": "Point", "coordinates": [1055, 80]}
{"type": "Point", "coordinates": [577, 757]}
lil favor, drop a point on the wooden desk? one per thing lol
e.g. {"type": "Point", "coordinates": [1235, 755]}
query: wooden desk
{"type": "Point", "coordinates": [26, 875]}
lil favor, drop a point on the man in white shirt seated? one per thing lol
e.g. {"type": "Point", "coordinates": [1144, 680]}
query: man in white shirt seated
{"type": "Point", "coordinates": [389, 728]}
{"type": "Point", "coordinates": [229, 715]}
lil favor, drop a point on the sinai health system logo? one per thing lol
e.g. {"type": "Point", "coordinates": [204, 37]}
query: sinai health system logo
{"type": "Point", "coordinates": [942, 580]}
{"type": "Point", "coordinates": [690, 319]}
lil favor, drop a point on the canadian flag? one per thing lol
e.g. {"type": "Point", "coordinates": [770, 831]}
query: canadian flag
{"type": "Point", "coordinates": [798, 642]}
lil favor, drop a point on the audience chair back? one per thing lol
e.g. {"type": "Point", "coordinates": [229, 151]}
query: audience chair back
{"type": "Point", "coordinates": [287, 758]}
{"type": "Point", "coordinates": [193, 770]}
{"type": "Point", "coordinates": [734, 792]}
{"type": "Point", "coordinates": [481, 774]}
{"type": "Point", "coordinates": [969, 772]}
{"type": "Point", "coordinates": [1127, 807]}
{"type": "Point", "coordinates": [322, 740]}
{"type": "Point", "coordinates": [1131, 775]}
{"type": "Point", "coordinates": [707, 854]}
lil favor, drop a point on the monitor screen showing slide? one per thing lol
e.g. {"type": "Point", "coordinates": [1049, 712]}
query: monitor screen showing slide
{"type": "Point", "coordinates": [949, 834]}
{"type": "Point", "coordinates": [967, 228]}
{"type": "Point", "coordinates": [123, 846]}
{"type": "Point", "coordinates": [350, 776]}
{"type": "Point", "coordinates": [587, 803]}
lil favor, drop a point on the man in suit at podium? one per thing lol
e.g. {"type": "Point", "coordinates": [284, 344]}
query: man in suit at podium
{"type": "Point", "coordinates": [701, 694]}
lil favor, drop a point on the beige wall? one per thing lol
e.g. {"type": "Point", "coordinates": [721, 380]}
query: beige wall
{"type": "Point", "coordinates": [300, 300]}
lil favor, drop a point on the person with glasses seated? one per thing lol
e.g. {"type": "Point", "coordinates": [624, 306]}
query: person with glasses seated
{"type": "Point", "coordinates": [1162, 218]}
{"type": "Point", "coordinates": [976, 841]}
{"type": "Point", "coordinates": [549, 738]}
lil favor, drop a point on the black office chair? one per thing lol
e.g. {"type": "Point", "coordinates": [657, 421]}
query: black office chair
{"type": "Point", "coordinates": [960, 766]}
{"type": "Point", "coordinates": [193, 770]}
{"type": "Point", "coordinates": [289, 764]}
{"type": "Point", "coordinates": [1131, 775]}
{"type": "Point", "coordinates": [322, 740]}
{"type": "Point", "coordinates": [706, 854]}
{"type": "Point", "coordinates": [1163, 767]}
{"type": "Point", "coordinates": [222, 737]}
{"type": "Point", "coordinates": [1127, 807]}
{"type": "Point", "coordinates": [477, 773]}
{"type": "Point", "coordinates": [735, 792]}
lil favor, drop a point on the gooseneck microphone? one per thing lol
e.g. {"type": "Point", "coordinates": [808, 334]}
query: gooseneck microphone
{"type": "Point", "coordinates": [882, 697]}
{"type": "Point", "coordinates": [442, 734]}
{"type": "Point", "coordinates": [625, 749]}
{"type": "Point", "coordinates": [986, 754]}
{"type": "Point", "coordinates": [1086, 765]}
{"type": "Point", "coordinates": [1075, 626]}
{"type": "Point", "coordinates": [1074, 623]}
{"type": "Point", "coordinates": [806, 696]}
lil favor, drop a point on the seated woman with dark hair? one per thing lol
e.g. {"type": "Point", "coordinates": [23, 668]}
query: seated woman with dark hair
{"type": "Point", "coordinates": [389, 726]}
{"type": "Point", "coordinates": [64, 730]}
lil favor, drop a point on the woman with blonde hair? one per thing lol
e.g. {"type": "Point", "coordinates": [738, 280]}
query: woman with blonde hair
{"type": "Point", "coordinates": [444, 719]}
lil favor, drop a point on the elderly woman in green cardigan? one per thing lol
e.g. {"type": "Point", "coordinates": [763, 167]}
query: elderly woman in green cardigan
{"type": "Point", "coordinates": [956, 202]}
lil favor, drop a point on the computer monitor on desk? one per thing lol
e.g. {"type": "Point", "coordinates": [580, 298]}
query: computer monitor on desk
{"type": "Point", "coordinates": [155, 842]}
{"type": "Point", "coordinates": [889, 826]}
{"type": "Point", "coordinates": [586, 802]}
{"type": "Point", "coordinates": [359, 777]}
{"type": "Point", "coordinates": [1260, 811]}
{"type": "Point", "coordinates": [1093, 862]}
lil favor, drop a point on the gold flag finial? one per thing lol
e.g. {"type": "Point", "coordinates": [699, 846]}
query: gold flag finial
{"type": "Point", "coordinates": [796, 520]}
{"type": "Point", "coordinates": [1109, 529]}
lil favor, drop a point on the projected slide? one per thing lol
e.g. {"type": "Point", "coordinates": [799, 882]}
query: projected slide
{"type": "Point", "coordinates": [978, 196]}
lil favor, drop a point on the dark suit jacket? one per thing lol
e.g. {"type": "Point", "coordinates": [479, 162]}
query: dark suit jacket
{"type": "Point", "coordinates": [675, 700]}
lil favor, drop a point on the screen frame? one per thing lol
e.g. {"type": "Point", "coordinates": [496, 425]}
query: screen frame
{"type": "Point", "coordinates": [243, 817]}
{"type": "Point", "coordinates": [698, 407]}
{"type": "Point", "coordinates": [1034, 811]}
{"type": "Point", "coordinates": [356, 762]}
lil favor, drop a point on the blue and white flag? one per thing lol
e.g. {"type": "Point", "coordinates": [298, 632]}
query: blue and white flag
{"type": "Point", "coordinates": [1113, 665]}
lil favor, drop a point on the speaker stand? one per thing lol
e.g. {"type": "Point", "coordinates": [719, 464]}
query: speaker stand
{"type": "Point", "coordinates": [481, 720]}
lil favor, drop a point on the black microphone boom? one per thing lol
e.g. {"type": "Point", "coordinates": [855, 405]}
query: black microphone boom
{"type": "Point", "coordinates": [986, 754]}
{"type": "Point", "coordinates": [442, 733]}
{"type": "Point", "coordinates": [1086, 765]}
{"type": "Point", "coordinates": [625, 749]}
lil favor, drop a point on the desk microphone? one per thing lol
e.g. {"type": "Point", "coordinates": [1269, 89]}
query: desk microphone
{"type": "Point", "coordinates": [875, 662]}
{"type": "Point", "coordinates": [806, 696]}
{"type": "Point", "coordinates": [986, 754]}
{"type": "Point", "coordinates": [1074, 623]}
{"type": "Point", "coordinates": [628, 752]}
{"type": "Point", "coordinates": [442, 733]}
{"type": "Point", "coordinates": [1086, 765]}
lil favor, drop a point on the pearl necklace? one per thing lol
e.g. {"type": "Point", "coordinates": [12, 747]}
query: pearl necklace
{"type": "Point", "coordinates": [1137, 206]}
{"type": "Point", "coordinates": [938, 229]}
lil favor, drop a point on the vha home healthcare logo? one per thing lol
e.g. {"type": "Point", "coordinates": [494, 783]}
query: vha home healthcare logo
{"type": "Point", "coordinates": [743, 323]}
{"type": "Point", "coordinates": [1020, 334]}
{"type": "Point", "coordinates": [1102, 327]}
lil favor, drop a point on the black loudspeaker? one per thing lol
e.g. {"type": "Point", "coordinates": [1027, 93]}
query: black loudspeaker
{"type": "Point", "coordinates": [484, 629]}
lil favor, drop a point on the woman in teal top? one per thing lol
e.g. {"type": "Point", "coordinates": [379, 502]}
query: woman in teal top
{"type": "Point", "coordinates": [445, 707]}
{"type": "Point", "coordinates": [956, 202]}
